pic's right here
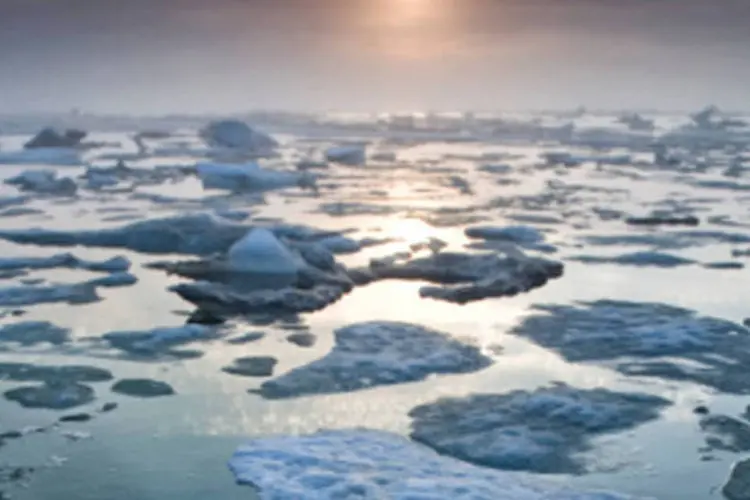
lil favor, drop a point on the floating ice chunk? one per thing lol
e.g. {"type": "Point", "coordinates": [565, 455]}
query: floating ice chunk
{"type": "Point", "coordinates": [671, 239]}
{"type": "Point", "coordinates": [608, 330]}
{"type": "Point", "coordinates": [142, 388]}
{"type": "Point", "coordinates": [81, 293]}
{"type": "Point", "coordinates": [521, 235]}
{"type": "Point", "coordinates": [371, 465]}
{"type": "Point", "coordinates": [52, 395]}
{"type": "Point", "coordinates": [353, 155]}
{"type": "Point", "coordinates": [496, 169]}
{"type": "Point", "coordinates": [260, 251]}
{"type": "Point", "coordinates": [385, 156]}
{"type": "Point", "coordinates": [238, 135]}
{"type": "Point", "coordinates": [51, 138]}
{"type": "Point", "coordinates": [737, 486]}
{"type": "Point", "coordinates": [43, 181]}
{"type": "Point", "coordinates": [199, 234]}
{"type": "Point", "coordinates": [115, 264]}
{"type": "Point", "coordinates": [378, 353]}
{"type": "Point", "coordinates": [655, 220]}
{"type": "Point", "coordinates": [538, 431]}
{"type": "Point", "coordinates": [159, 339]}
{"type": "Point", "coordinates": [223, 299]}
{"type": "Point", "coordinates": [34, 332]}
{"type": "Point", "coordinates": [115, 280]}
{"type": "Point", "coordinates": [24, 372]}
{"type": "Point", "coordinates": [46, 156]}
{"type": "Point", "coordinates": [248, 177]}
{"type": "Point", "coordinates": [653, 259]}
{"type": "Point", "coordinates": [252, 366]}
{"type": "Point", "coordinates": [340, 244]}
{"type": "Point", "coordinates": [471, 277]}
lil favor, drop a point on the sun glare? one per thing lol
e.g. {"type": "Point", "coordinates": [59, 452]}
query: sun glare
{"type": "Point", "coordinates": [412, 29]}
{"type": "Point", "coordinates": [409, 230]}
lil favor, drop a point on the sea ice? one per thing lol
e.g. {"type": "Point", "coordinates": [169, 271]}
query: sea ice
{"type": "Point", "coordinates": [43, 181]}
{"type": "Point", "coordinates": [191, 234]}
{"type": "Point", "coordinates": [47, 156]}
{"type": "Point", "coordinates": [353, 155]}
{"type": "Point", "coordinates": [235, 134]}
{"type": "Point", "coordinates": [219, 298]}
{"type": "Point", "coordinates": [378, 353]}
{"type": "Point", "coordinates": [51, 395]}
{"type": "Point", "coordinates": [540, 431]}
{"type": "Point", "coordinates": [142, 388]}
{"type": "Point", "coordinates": [470, 277]}
{"type": "Point", "coordinates": [520, 235]}
{"type": "Point", "coordinates": [113, 265]}
{"type": "Point", "coordinates": [248, 177]}
{"type": "Point", "coordinates": [252, 366]}
{"type": "Point", "coordinates": [610, 330]}
{"type": "Point", "coordinates": [670, 239]}
{"type": "Point", "coordinates": [28, 333]}
{"type": "Point", "coordinates": [24, 372]}
{"type": "Point", "coordinates": [260, 251]}
{"type": "Point", "coordinates": [373, 465]}
{"type": "Point", "coordinates": [52, 138]}
{"type": "Point", "coordinates": [15, 296]}
{"type": "Point", "coordinates": [644, 259]}
{"type": "Point", "coordinates": [158, 340]}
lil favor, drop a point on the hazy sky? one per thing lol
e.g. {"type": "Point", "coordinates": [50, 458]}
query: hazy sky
{"type": "Point", "coordinates": [154, 56]}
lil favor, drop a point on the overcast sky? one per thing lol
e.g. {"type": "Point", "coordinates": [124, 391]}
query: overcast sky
{"type": "Point", "coordinates": [156, 56]}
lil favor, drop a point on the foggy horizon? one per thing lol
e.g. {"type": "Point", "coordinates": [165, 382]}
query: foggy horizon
{"type": "Point", "coordinates": [235, 56]}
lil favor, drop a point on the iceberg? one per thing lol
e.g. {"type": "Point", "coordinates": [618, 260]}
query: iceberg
{"type": "Point", "coordinates": [260, 251]}
{"type": "Point", "coordinates": [235, 134]}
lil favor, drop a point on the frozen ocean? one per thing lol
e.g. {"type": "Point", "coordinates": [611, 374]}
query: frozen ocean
{"type": "Point", "coordinates": [433, 306]}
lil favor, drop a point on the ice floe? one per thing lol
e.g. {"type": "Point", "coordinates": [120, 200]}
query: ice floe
{"type": "Point", "coordinates": [43, 181]}
{"type": "Point", "coordinates": [470, 277]}
{"type": "Point", "coordinates": [249, 177]}
{"type": "Point", "coordinates": [142, 388]}
{"type": "Point", "coordinates": [81, 293]}
{"type": "Point", "coordinates": [641, 259]}
{"type": "Point", "coordinates": [52, 138]}
{"type": "Point", "coordinates": [353, 155]}
{"type": "Point", "coordinates": [65, 260]}
{"type": "Point", "coordinates": [61, 387]}
{"type": "Point", "coordinates": [252, 366]}
{"type": "Point", "coordinates": [259, 251]}
{"type": "Point", "coordinates": [160, 340]}
{"type": "Point", "coordinates": [28, 333]}
{"type": "Point", "coordinates": [369, 465]}
{"type": "Point", "coordinates": [235, 134]}
{"type": "Point", "coordinates": [47, 156]}
{"type": "Point", "coordinates": [542, 431]}
{"type": "Point", "coordinates": [660, 340]}
{"type": "Point", "coordinates": [378, 353]}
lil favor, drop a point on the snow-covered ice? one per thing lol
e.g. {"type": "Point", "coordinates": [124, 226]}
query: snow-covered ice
{"type": "Point", "coordinates": [260, 251]}
{"type": "Point", "coordinates": [374, 465]}
{"type": "Point", "coordinates": [542, 431]}
{"type": "Point", "coordinates": [378, 353]}
{"type": "Point", "coordinates": [660, 339]}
